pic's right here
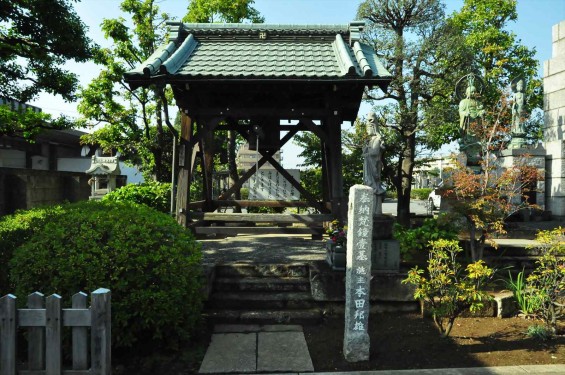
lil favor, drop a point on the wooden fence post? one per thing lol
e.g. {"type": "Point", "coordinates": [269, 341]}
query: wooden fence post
{"type": "Point", "coordinates": [36, 335]}
{"type": "Point", "coordinates": [8, 335]}
{"type": "Point", "coordinates": [80, 343]}
{"type": "Point", "coordinates": [101, 335]}
{"type": "Point", "coordinates": [53, 335]}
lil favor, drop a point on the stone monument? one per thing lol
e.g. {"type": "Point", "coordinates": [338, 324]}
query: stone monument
{"type": "Point", "coordinates": [554, 122]}
{"type": "Point", "coordinates": [104, 170]}
{"type": "Point", "coordinates": [385, 251]}
{"type": "Point", "coordinates": [356, 341]}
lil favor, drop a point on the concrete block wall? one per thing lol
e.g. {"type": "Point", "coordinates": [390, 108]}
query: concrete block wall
{"type": "Point", "coordinates": [554, 122]}
{"type": "Point", "coordinates": [26, 188]}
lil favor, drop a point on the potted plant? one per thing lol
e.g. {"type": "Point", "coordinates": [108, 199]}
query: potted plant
{"type": "Point", "coordinates": [335, 245]}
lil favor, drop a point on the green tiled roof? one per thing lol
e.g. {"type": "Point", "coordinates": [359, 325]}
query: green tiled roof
{"type": "Point", "coordinates": [260, 51]}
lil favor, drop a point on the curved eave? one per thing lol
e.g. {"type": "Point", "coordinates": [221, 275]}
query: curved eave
{"type": "Point", "coordinates": [140, 81]}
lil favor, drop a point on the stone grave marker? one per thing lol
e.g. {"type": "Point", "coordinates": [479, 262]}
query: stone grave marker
{"type": "Point", "coordinates": [356, 342]}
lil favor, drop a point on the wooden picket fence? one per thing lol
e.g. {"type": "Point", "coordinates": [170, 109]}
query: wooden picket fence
{"type": "Point", "coordinates": [44, 319]}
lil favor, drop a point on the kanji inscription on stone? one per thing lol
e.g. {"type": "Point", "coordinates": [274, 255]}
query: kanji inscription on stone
{"type": "Point", "coordinates": [356, 343]}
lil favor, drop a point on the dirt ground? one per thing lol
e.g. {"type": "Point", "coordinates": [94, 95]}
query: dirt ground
{"type": "Point", "coordinates": [408, 341]}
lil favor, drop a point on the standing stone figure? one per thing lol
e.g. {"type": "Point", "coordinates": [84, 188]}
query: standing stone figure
{"type": "Point", "coordinates": [518, 106]}
{"type": "Point", "coordinates": [373, 163]}
{"type": "Point", "coordinates": [470, 111]}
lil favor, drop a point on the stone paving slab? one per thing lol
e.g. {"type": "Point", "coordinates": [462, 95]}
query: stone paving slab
{"type": "Point", "coordinates": [283, 351]}
{"type": "Point", "coordinates": [236, 328]}
{"type": "Point", "coordinates": [230, 352]}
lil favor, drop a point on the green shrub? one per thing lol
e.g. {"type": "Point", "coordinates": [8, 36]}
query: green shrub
{"type": "Point", "coordinates": [447, 287]}
{"type": "Point", "coordinates": [14, 231]}
{"type": "Point", "coordinates": [528, 301]}
{"type": "Point", "coordinates": [547, 281]}
{"type": "Point", "coordinates": [416, 241]}
{"type": "Point", "coordinates": [539, 332]}
{"type": "Point", "coordinates": [149, 262]}
{"type": "Point", "coordinates": [421, 194]}
{"type": "Point", "coordinates": [154, 194]}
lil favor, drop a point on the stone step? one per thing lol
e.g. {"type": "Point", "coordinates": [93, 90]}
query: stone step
{"type": "Point", "coordinates": [261, 300]}
{"type": "Point", "coordinates": [290, 284]}
{"type": "Point", "coordinates": [302, 316]}
{"type": "Point", "coordinates": [262, 270]}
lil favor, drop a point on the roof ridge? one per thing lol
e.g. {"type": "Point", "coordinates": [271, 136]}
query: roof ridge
{"type": "Point", "coordinates": [259, 26]}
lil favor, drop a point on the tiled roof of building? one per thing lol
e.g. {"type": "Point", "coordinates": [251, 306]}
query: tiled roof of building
{"type": "Point", "coordinates": [261, 51]}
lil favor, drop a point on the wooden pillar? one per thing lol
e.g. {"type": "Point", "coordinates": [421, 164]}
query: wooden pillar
{"type": "Point", "coordinates": [185, 170]}
{"type": "Point", "coordinates": [208, 151]}
{"type": "Point", "coordinates": [335, 167]}
{"type": "Point", "coordinates": [326, 182]}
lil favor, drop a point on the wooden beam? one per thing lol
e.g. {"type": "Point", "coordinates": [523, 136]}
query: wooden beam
{"type": "Point", "coordinates": [257, 230]}
{"type": "Point", "coordinates": [262, 218]}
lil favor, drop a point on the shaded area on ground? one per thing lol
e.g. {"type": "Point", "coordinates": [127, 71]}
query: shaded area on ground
{"type": "Point", "coordinates": [408, 341]}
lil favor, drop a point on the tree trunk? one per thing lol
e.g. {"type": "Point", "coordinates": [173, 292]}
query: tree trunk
{"type": "Point", "coordinates": [232, 167]}
{"type": "Point", "coordinates": [405, 180]}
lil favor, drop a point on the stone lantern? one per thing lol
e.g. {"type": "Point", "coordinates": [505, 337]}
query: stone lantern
{"type": "Point", "coordinates": [104, 170]}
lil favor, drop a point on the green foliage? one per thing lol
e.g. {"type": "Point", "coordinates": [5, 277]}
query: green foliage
{"type": "Point", "coordinates": [547, 281]}
{"type": "Point", "coordinates": [423, 55]}
{"type": "Point", "coordinates": [539, 332]}
{"type": "Point", "coordinates": [15, 230]}
{"type": "Point", "coordinates": [35, 43]}
{"type": "Point", "coordinates": [449, 289]}
{"type": "Point", "coordinates": [154, 194]}
{"type": "Point", "coordinates": [421, 194]}
{"type": "Point", "coordinates": [134, 122]}
{"type": "Point", "coordinates": [229, 11]}
{"type": "Point", "coordinates": [151, 265]}
{"type": "Point", "coordinates": [416, 241]}
{"type": "Point", "coordinates": [497, 53]}
{"type": "Point", "coordinates": [311, 180]}
{"type": "Point", "coordinates": [528, 301]}
{"type": "Point", "coordinates": [34, 47]}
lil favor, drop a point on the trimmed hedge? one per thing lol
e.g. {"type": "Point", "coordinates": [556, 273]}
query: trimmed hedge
{"type": "Point", "coordinates": [154, 194]}
{"type": "Point", "coordinates": [15, 230]}
{"type": "Point", "coordinates": [149, 262]}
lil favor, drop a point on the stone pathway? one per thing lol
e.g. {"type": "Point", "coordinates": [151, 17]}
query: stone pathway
{"type": "Point", "coordinates": [257, 348]}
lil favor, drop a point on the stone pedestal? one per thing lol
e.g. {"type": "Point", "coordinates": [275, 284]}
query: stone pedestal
{"type": "Point", "coordinates": [534, 157]}
{"type": "Point", "coordinates": [554, 122]}
{"type": "Point", "coordinates": [335, 255]}
{"type": "Point", "coordinates": [385, 254]}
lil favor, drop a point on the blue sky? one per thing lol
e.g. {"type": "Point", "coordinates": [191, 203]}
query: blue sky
{"type": "Point", "coordinates": [533, 27]}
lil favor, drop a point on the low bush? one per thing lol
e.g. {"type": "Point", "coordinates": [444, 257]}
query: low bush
{"type": "Point", "coordinates": [154, 194]}
{"type": "Point", "coordinates": [149, 262]}
{"type": "Point", "coordinates": [546, 283]}
{"type": "Point", "coordinates": [415, 242]}
{"type": "Point", "coordinates": [421, 194]}
{"type": "Point", "coordinates": [447, 287]}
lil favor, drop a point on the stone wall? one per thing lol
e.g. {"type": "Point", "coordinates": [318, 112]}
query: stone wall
{"type": "Point", "coordinates": [26, 188]}
{"type": "Point", "coordinates": [554, 127]}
